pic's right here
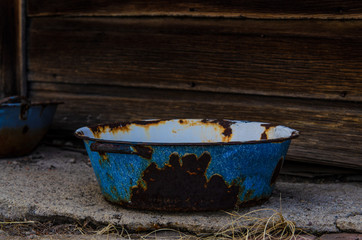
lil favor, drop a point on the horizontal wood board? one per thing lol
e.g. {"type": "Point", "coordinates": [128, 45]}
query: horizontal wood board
{"type": "Point", "coordinates": [326, 9]}
{"type": "Point", "coordinates": [291, 58]}
{"type": "Point", "coordinates": [331, 132]}
{"type": "Point", "coordinates": [305, 74]}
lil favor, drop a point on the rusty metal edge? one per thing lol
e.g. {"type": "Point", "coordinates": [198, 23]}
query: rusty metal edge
{"type": "Point", "coordinates": [294, 134]}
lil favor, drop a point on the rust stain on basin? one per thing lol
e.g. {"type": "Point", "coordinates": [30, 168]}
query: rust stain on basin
{"type": "Point", "coordinates": [112, 128]}
{"type": "Point", "coordinates": [221, 126]}
{"type": "Point", "coordinates": [143, 151]}
{"type": "Point", "coordinates": [123, 127]}
{"type": "Point", "coordinates": [268, 127]}
{"type": "Point", "coordinates": [104, 158]}
{"type": "Point", "coordinates": [182, 185]}
{"type": "Point", "coordinates": [227, 127]}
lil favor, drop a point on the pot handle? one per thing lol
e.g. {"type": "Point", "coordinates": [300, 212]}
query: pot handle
{"type": "Point", "coordinates": [24, 104]}
{"type": "Point", "coordinates": [111, 148]}
{"type": "Point", "coordinates": [140, 150]}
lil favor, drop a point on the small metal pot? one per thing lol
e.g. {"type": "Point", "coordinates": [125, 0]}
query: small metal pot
{"type": "Point", "coordinates": [186, 164]}
{"type": "Point", "coordinates": [23, 124]}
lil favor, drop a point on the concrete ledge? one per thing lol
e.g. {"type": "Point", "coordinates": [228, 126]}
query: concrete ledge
{"type": "Point", "coordinates": [53, 183]}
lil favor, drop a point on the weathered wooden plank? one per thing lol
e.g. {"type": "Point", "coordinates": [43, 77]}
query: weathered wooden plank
{"type": "Point", "coordinates": [331, 130]}
{"type": "Point", "coordinates": [235, 8]}
{"type": "Point", "coordinates": [307, 59]}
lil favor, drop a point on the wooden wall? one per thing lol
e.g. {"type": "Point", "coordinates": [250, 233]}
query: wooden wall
{"type": "Point", "coordinates": [295, 63]}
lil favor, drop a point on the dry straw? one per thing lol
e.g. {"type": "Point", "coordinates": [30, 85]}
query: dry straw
{"type": "Point", "coordinates": [261, 224]}
{"type": "Point", "coordinates": [254, 225]}
{"type": "Point", "coordinates": [248, 226]}
{"type": "Point", "coordinates": [111, 229]}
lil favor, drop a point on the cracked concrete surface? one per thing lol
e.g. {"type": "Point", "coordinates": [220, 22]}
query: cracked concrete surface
{"type": "Point", "coordinates": [54, 183]}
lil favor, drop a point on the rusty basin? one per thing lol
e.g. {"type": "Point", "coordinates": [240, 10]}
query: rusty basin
{"type": "Point", "coordinates": [186, 164]}
{"type": "Point", "coordinates": [23, 124]}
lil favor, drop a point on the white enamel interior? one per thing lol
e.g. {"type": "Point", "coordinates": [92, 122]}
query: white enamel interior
{"type": "Point", "coordinates": [190, 131]}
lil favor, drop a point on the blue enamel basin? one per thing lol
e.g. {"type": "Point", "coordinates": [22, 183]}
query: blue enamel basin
{"type": "Point", "coordinates": [186, 164]}
{"type": "Point", "coordinates": [23, 125]}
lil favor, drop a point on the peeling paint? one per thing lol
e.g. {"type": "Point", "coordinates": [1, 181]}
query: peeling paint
{"type": "Point", "coordinates": [182, 185]}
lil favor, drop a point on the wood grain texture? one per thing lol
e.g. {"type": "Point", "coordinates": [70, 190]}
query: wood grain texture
{"type": "Point", "coordinates": [276, 9]}
{"type": "Point", "coordinates": [331, 131]}
{"type": "Point", "coordinates": [304, 58]}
